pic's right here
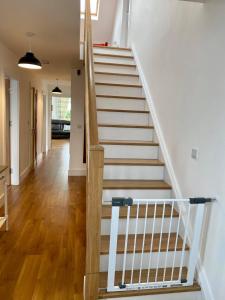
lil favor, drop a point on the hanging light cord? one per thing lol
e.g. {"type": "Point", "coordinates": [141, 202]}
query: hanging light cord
{"type": "Point", "coordinates": [29, 42]}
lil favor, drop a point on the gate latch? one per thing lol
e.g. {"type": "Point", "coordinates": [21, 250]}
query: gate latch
{"type": "Point", "coordinates": [122, 201]}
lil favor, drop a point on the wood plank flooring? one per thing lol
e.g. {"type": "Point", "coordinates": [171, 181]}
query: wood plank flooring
{"type": "Point", "coordinates": [42, 256]}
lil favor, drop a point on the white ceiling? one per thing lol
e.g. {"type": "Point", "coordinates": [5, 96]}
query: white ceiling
{"type": "Point", "coordinates": [56, 24]}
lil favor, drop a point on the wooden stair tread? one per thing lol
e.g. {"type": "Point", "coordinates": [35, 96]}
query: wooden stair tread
{"type": "Point", "coordinates": [116, 74]}
{"type": "Point", "coordinates": [119, 84]}
{"type": "Point", "coordinates": [104, 248]}
{"type": "Point", "coordinates": [124, 111]}
{"type": "Point", "coordinates": [136, 185]}
{"type": "Point", "coordinates": [144, 276]}
{"type": "Point", "coordinates": [107, 211]}
{"type": "Point", "coordinates": [103, 294]}
{"type": "Point", "coordinates": [126, 126]}
{"type": "Point", "coordinates": [115, 64]}
{"type": "Point", "coordinates": [128, 143]}
{"type": "Point", "coordinates": [113, 55]}
{"type": "Point", "coordinates": [133, 162]}
{"type": "Point", "coordinates": [112, 47]}
{"type": "Point", "coordinates": [121, 97]}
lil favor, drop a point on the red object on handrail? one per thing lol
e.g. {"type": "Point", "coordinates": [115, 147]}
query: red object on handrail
{"type": "Point", "coordinates": [106, 44]}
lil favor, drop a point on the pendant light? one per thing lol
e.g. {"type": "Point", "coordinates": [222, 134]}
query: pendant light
{"type": "Point", "coordinates": [29, 61]}
{"type": "Point", "coordinates": [57, 90]}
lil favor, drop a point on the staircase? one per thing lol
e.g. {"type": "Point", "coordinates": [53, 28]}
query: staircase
{"type": "Point", "coordinates": [133, 167]}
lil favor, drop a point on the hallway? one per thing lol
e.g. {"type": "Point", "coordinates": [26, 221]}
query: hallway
{"type": "Point", "coordinates": [43, 254]}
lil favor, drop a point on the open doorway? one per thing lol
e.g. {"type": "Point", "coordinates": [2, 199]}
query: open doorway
{"type": "Point", "coordinates": [61, 120]}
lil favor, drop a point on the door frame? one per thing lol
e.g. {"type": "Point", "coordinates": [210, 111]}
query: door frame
{"type": "Point", "coordinates": [45, 125]}
{"type": "Point", "coordinates": [15, 131]}
{"type": "Point", "coordinates": [33, 123]}
{"type": "Point", "coordinates": [7, 128]}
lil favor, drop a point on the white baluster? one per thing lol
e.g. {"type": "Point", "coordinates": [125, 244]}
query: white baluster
{"type": "Point", "coordinates": [135, 241]}
{"type": "Point", "coordinates": [160, 243]}
{"type": "Point", "coordinates": [143, 242]}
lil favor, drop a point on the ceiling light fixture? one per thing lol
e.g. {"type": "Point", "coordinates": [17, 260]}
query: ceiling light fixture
{"type": "Point", "coordinates": [29, 61]}
{"type": "Point", "coordinates": [57, 90]}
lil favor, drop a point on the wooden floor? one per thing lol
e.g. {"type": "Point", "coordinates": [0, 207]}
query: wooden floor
{"type": "Point", "coordinates": [42, 255]}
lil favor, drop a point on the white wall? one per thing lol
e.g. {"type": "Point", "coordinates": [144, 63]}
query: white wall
{"type": "Point", "coordinates": [26, 79]}
{"type": "Point", "coordinates": [102, 28]}
{"type": "Point", "coordinates": [181, 47]}
{"type": "Point", "coordinates": [116, 38]}
{"type": "Point", "coordinates": [121, 24]}
{"type": "Point", "coordinates": [76, 166]}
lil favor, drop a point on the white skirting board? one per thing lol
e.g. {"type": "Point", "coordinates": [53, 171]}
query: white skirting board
{"type": "Point", "coordinates": [204, 282]}
{"type": "Point", "coordinates": [77, 172]}
{"type": "Point", "coordinates": [175, 296]}
{"type": "Point", "coordinates": [39, 158]}
{"type": "Point", "coordinates": [25, 173]}
{"type": "Point", "coordinates": [207, 291]}
{"type": "Point", "coordinates": [27, 170]}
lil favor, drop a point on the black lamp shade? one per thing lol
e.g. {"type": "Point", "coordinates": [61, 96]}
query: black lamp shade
{"type": "Point", "coordinates": [29, 61]}
{"type": "Point", "coordinates": [56, 90]}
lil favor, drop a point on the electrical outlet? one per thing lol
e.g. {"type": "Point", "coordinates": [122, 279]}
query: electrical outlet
{"type": "Point", "coordinates": [195, 153]}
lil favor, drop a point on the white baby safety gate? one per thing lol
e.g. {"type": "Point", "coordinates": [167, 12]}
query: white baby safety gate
{"type": "Point", "coordinates": [159, 248]}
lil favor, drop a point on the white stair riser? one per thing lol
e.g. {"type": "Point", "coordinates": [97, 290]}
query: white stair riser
{"type": "Point", "coordinates": [124, 118]}
{"type": "Point", "coordinates": [134, 172]}
{"type": "Point", "coordinates": [119, 91]}
{"type": "Point", "coordinates": [124, 151]}
{"type": "Point", "coordinates": [135, 194]}
{"type": "Point", "coordinates": [116, 79]}
{"type": "Point", "coordinates": [119, 264]}
{"type": "Point", "coordinates": [116, 60]}
{"type": "Point", "coordinates": [114, 103]}
{"type": "Point", "coordinates": [115, 68]}
{"type": "Point", "coordinates": [106, 223]}
{"type": "Point", "coordinates": [138, 134]}
{"type": "Point", "coordinates": [112, 51]}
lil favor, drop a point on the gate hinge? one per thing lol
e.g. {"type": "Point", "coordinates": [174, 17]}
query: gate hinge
{"type": "Point", "coordinates": [183, 281]}
{"type": "Point", "coordinates": [122, 286]}
{"type": "Point", "coordinates": [122, 201]}
{"type": "Point", "coordinates": [200, 200]}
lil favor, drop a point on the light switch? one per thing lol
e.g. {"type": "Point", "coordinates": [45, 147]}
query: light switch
{"type": "Point", "coordinates": [195, 153]}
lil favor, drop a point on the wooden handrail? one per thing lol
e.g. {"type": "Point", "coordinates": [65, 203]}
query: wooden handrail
{"type": "Point", "coordinates": [95, 163]}
{"type": "Point", "coordinates": [89, 68]}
